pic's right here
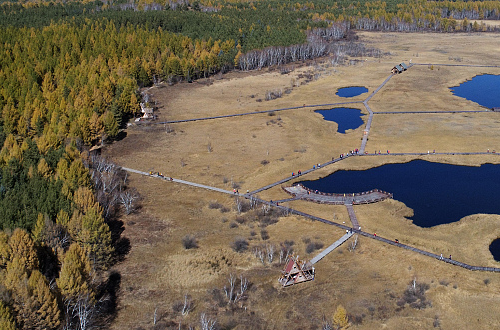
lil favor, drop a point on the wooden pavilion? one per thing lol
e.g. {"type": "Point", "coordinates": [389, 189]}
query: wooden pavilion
{"type": "Point", "coordinates": [296, 271]}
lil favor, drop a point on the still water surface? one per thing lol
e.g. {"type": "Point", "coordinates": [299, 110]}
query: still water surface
{"type": "Point", "coordinates": [351, 91]}
{"type": "Point", "coordinates": [346, 118]}
{"type": "Point", "coordinates": [437, 193]}
{"type": "Point", "coordinates": [483, 89]}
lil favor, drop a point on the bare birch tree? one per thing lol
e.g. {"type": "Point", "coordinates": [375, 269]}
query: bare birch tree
{"type": "Point", "coordinates": [206, 322]}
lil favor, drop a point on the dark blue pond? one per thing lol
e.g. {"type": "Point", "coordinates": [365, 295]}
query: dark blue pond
{"type": "Point", "coordinates": [483, 89]}
{"type": "Point", "coordinates": [351, 91]}
{"type": "Point", "coordinates": [495, 249]}
{"type": "Point", "coordinates": [346, 118]}
{"type": "Point", "coordinates": [437, 193]}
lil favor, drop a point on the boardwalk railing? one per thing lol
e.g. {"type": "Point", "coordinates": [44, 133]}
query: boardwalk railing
{"type": "Point", "coordinates": [344, 195]}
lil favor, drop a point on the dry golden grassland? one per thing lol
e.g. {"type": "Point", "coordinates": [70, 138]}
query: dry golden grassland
{"type": "Point", "coordinates": [368, 282]}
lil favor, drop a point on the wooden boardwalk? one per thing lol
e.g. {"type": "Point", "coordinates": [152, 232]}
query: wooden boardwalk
{"type": "Point", "coordinates": [352, 216]}
{"type": "Point", "coordinates": [246, 113]}
{"type": "Point", "coordinates": [274, 184]}
{"type": "Point", "coordinates": [372, 196]}
{"type": "Point", "coordinates": [315, 218]}
{"type": "Point", "coordinates": [370, 116]}
{"type": "Point", "coordinates": [332, 247]}
{"type": "Point", "coordinates": [170, 179]}
{"type": "Point", "coordinates": [430, 112]}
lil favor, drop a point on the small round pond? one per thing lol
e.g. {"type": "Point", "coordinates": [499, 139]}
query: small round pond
{"type": "Point", "coordinates": [483, 89]}
{"type": "Point", "coordinates": [437, 193]}
{"type": "Point", "coordinates": [351, 91]}
{"type": "Point", "coordinates": [495, 249]}
{"type": "Point", "coordinates": [346, 118]}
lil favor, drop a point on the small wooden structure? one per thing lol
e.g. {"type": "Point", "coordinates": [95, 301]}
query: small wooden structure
{"type": "Point", "coordinates": [147, 111]}
{"type": "Point", "coordinates": [296, 271]}
{"type": "Point", "coordinates": [399, 68]}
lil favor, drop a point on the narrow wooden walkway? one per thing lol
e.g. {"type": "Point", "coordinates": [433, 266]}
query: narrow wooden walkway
{"type": "Point", "coordinates": [170, 179]}
{"type": "Point", "coordinates": [370, 116]}
{"type": "Point", "coordinates": [246, 113]}
{"type": "Point", "coordinates": [332, 247]}
{"type": "Point", "coordinates": [430, 153]}
{"type": "Point", "coordinates": [372, 196]}
{"type": "Point", "coordinates": [464, 65]}
{"type": "Point", "coordinates": [430, 112]}
{"type": "Point", "coordinates": [399, 245]}
{"type": "Point", "coordinates": [352, 216]}
{"type": "Point", "coordinates": [274, 184]}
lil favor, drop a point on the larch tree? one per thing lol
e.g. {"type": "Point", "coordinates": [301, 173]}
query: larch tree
{"type": "Point", "coordinates": [96, 238]}
{"type": "Point", "coordinates": [46, 313]}
{"type": "Point", "coordinates": [23, 249]}
{"type": "Point", "coordinates": [84, 199]}
{"type": "Point", "coordinates": [340, 319]}
{"type": "Point", "coordinates": [5, 250]}
{"type": "Point", "coordinates": [6, 319]}
{"type": "Point", "coordinates": [75, 276]}
{"type": "Point", "coordinates": [37, 232]}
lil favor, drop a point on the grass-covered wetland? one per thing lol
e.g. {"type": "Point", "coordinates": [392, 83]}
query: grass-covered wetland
{"type": "Point", "coordinates": [179, 219]}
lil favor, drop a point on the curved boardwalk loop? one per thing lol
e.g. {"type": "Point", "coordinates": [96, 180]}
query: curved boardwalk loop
{"type": "Point", "coordinates": [300, 192]}
{"type": "Point", "coordinates": [372, 196]}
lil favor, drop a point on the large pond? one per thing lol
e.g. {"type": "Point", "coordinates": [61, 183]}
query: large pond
{"type": "Point", "coordinates": [437, 193]}
{"type": "Point", "coordinates": [483, 89]}
{"type": "Point", "coordinates": [351, 91]}
{"type": "Point", "coordinates": [346, 118]}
